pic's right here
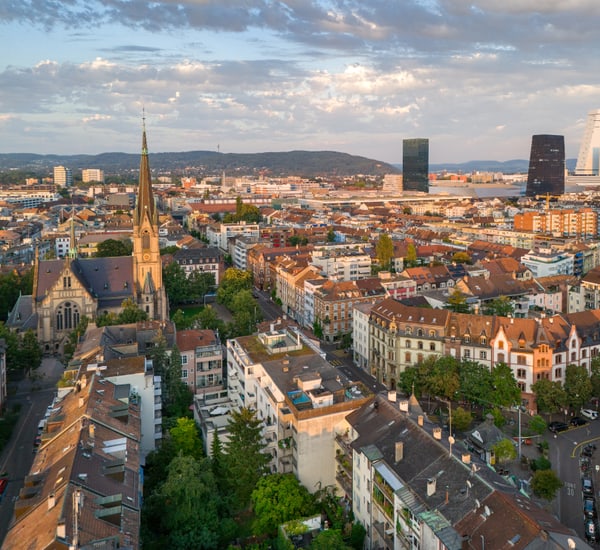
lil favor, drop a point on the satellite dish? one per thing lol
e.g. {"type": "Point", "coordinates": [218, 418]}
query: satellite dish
{"type": "Point", "coordinates": [451, 440]}
{"type": "Point", "coordinates": [487, 511]}
{"type": "Point", "coordinates": [469, 484]}
{"type": "Point", "coordinates": [477, 503]}
{"type": "Point", "coordinates": [571, 543]}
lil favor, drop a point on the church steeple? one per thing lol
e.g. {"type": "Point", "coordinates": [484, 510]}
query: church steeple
{"type": "Point", "coordinates": [145, 201]}
{"type": "Point", "coordinates": [147, 265]}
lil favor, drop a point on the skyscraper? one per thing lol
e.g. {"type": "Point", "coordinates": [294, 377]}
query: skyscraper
{"type": "Point", "coordinates": [415, 164]}
{"type": "Point", "coordinates": [546, 166]}
{"type": "Point", "coordinates": [588, 161]}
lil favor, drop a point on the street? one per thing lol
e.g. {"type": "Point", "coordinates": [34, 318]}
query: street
{"type": "Point", "coordinates": [17, 457]}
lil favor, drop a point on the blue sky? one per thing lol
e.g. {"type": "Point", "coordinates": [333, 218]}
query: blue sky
{"type": "Point", "coordinates": [477, 78]}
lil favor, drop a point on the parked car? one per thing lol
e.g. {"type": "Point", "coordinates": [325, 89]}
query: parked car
{"type": "Point", "coordinates": [3, 485]}
{"type": "Point", "coordinates": [590, 414]}
{"type": "Point", "coordinates": [588, 450]}
{"type": "Point", "coordinates": [557, 426]}
{"type": "Point", "coordinates": [578, 421]}
{"type": "Point", "coordinates": [591, 530]}
{"type": "Point", "coordinates": [589, 507]}
{"type": "Point", "coordinates": [586, 486]}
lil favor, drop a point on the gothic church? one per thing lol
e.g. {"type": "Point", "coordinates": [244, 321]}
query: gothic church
{"type": "Point", "coordinates": [66, 290]}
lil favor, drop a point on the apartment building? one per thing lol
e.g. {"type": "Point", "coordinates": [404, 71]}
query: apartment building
{"type": "Point", "coordinates": [302, 399]}
{"type": "Point", "coordinates": [582, 222]}
{"type": "Point", "coordinates": [202, 259]}
{"type": "Point", "coordinates": [219, 234]}
{"type": "Point", "coordinates": [547, 262]}
{"type": "Point", "coordinates": [262, 256]}
{"type": "Point", "coordinates": [84, 487]}
{"type": "Point", "coordinates": [342, 262]}
{"type": "Point", "coordinates": [201, 360]}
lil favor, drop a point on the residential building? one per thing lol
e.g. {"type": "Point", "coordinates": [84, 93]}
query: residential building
{"type": "Point", "coordinates": [415, 164]}
{"type": "Point", "coordinates": [201, 360]}
{"type": "Point", "coordinates": [546, 262]}
{"type": "Point", "coordinates": [582, 222]}
{"type": "Point", "coordinates": [92, 174]}
{"type": "Point", "coordinates": [202, 259]}
{"type": "Point", "coordinates": [84, 487]}
{"type": "Point", "coordinates": [342, 262]}
{"type": "Point", "coordinates": [302, 399]}
{"type": "Point", "coordinates": [360, 334]}
{"type": "Point", "coordinates": [546, 166]}
{"type": "Point", "coordinates": [219, 234]}
{"type": "Point", "coordinates": [63, 177]}
{"type": "Point", "coordinates": [261, 257]}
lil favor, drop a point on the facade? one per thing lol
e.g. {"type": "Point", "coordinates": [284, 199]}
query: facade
{"type": "Point", "coordinates": [342, 262]}
{"type": "Point", "coordinates": [547, 263]}
{"type": "Point", "coordinates": [559, 223]}
{"type": "Point", "coordinates": [63, 177]}
{"type": "Point", "coordinates": [219, 235]}
{"type": "Point", "coordinates": [204, 260]}
{"type": "Point", "coordinates": [546, 166]}
{"type": "Point", "coordinates": [92, 174]}
{"type": "Point", "coordinates": [415, 164]}
{"type": "Point", "coordinates": [588, 160]}
{"type": "Point", "coordinates": [302, 399]}
{"type": "Point", "coordinates": [201, 360]}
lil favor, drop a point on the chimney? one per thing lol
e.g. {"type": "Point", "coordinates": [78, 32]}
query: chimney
{"type": "Point", "coordinates": [51, 501]}
{"type": "Point", "coordinates": [404, 406]}
{"type": "Point", "coordinates": [437, 433]}
{"type": "Point", "coordinates": [61, 529]}
{"type": "Point", "coordinates": [392, 396]}
{"type": "Point", "coordinates": [420, 420]}
{"type": "Point", "coordinates": [81, 401]}
{"type": "Point", "coordinates": [431, 483]}
{"type": "Point", "coordinates": [399, 451]}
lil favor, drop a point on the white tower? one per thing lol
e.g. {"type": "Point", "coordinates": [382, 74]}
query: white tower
{"type": "Point", "coordinates": [588, 161]}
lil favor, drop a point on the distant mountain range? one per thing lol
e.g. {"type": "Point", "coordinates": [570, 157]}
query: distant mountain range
{"type": "Point", "coordinates": [302, 163]}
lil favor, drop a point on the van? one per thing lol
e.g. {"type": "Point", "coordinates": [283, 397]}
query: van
{"type": "Point", "coordinates": [590, 414]}
{"type": "Point", "coordinates": [41, 425]}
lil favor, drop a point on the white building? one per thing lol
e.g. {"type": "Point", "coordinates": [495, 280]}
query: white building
{"type": "Point", "coordinates": [219, 234]}
{"type": "Point", "coordinates": [92, 174]}
{"type": "Point", "coordinates": [547, 262]}
{"type": "Point", "coordinates": [63, 177]}
{"type": "Point", "coordinates": [342, 262]}
{"type": "Point", "coordinates": [360, 334]}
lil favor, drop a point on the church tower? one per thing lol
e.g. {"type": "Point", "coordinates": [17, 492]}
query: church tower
{"type": "Point", "coordinates": [147, 267]}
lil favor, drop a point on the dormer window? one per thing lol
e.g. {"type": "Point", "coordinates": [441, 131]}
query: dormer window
{"type": "Point", "coordinates": [467, 338]}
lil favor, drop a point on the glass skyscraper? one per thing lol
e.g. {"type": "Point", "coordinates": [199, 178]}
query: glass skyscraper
{"type": "Point", "coordinates": [546, 166]}
{"type": "Point", "coordinates": [415, 164]}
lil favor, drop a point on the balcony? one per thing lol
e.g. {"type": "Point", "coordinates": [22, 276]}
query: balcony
{"type": "Point", "coordinates": [385, 533]}
{"type": "Point", "coordinates": [383, 503]}
{"type": "Point", "coordinates": [344, 461]}
{"type": "Point", "coordinates": [344, 480]}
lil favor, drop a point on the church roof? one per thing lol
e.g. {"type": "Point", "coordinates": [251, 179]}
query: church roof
{"type": "Point", "coordinates": [145, 201]}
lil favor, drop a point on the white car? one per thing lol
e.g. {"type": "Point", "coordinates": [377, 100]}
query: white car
{"type": "Point", "coordinates": [590, 414]}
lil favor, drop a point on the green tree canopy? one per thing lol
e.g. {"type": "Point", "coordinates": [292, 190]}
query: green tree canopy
{"type": "Point", "coordinates": [245, 458]}
{"type": "Point", "coordinates": [461, 258]}
{"type": "Point", "coordinates": [475, 382]}
{"type": "Point", "coordinates": [461, 419]}
{"type": "Point", "coordinates": [501, 306]}
{"type": "Point", "coordinates": [331, 539]}
{"type": "Point", "coordinates": [546, 484]}
{"type": "Point", "coordinates": [457, 302]}
{"type": "Point", "coordinates": [176, 284]}
{"type": "Point", "coordinates": [505, 451]}
{"type": "Point", "coordinates": [186, 438]}
{"type": "Point", "coordinates": [278, 498]}
{"type": "Point", "coordinates": [384, 249]}
{"type": "Point", "coordinates": [113, 247]}
{"type": "Point", "coordinates": [578, 386]}
{"type": "Point", "coordinates": [411, 256]}
{"type": "Point", "coordinates": [505, 390]}
{"type": "Point", "coordinates": [233, 281]}
{"type": "Point", "coordinates": [549, 396]}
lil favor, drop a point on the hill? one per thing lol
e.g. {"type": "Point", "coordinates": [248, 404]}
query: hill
{"type": "Point", "coordinates": [302, 163]}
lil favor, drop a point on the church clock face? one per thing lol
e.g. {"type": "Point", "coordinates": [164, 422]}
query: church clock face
{"type": "Point", "coordinates": [146, 257]}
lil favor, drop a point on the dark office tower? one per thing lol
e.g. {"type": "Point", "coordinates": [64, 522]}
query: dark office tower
{"type": "Point", "coordinates": [546, 166]}
{"type": "Point", "coordinates": [415, 165]}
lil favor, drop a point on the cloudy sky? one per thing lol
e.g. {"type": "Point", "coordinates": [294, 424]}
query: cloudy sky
{"type": "Point", "coordinates": [477, 77]}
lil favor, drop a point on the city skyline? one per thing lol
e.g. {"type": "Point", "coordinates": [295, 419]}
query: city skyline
{"type": "Point", "coordinates": [477, 79]}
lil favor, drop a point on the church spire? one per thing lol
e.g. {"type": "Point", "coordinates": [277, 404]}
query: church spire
{"type": "Point", "coordinates": [145, 200]}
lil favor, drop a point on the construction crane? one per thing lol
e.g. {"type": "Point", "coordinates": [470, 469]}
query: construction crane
{"type": "Point", "coordinates": [547, 196]}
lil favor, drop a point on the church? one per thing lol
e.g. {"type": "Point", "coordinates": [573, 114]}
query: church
{"type": "Point", "coordinates": [65, 290]}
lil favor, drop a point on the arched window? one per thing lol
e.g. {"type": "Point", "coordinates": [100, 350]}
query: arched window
{"type": "Point", "coordinates": [67, 316]}
{"type": "Point", "coordinates": [145, 240]}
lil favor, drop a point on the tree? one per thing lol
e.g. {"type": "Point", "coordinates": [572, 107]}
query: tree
{"type": "Point", "coordinates": [475, 382]}
{"type": "Point", "coordinates": [443, 379]}
{"type": "Point", "coordinates": [505, 391]}
{"type": "Point", "coordinates": [501, 306]}
{"type": "Point", "coordinates": [461, 419]}
{"type": "Point", "coordinates": [461, 258]}
{"type": "Point", "coordinates": [546, 484]}
{"type": "Point", "coordinates": [505, 451]}
{"type": "Point", "coordinates": [595, 376]}
{"type": "Point", "coordinates": [537, 424]}
{"type": "Point", "coordinates": [331, 539]}
{"type": "Point", "coordinates": [411, 256]}
{"type": "Point", "coordinates": [549, 396]}
{"type": "Point", "coordinates": [278, 498]}
{"type": "Point", "coordinates": [331, 235]}
{"type": "Point", "coordinates": [186, 439]}
{"type": "Point", "coordinates": [245, 458]}
{"type": "Point", "coordinates": [578, 386]}
{"type": "Point", "coordinates": [357, 536]}
{"type": "Point", "coordinates": [200, 283]}
{"type": "Point", "coordinates": [233, 281]}
{"type": "Point", "coordinates": [457, 302]}
{"type": "Point", "coordinates": [176, 283]}
{"type": "Point", "coordinates": [384, 249]}
{"type": "Point", "coordinates": [177, 396]}
{"type": "Point", "coordinates": [208, 319]}
{"type": "Point", "coordinates": [131, 313]}
{"type": "Point", "coordinates": [113, 247]}
{"type": "Point", "coordinates": [184, 511]}
{"type": "Point", "coordinates": [30, 352]}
